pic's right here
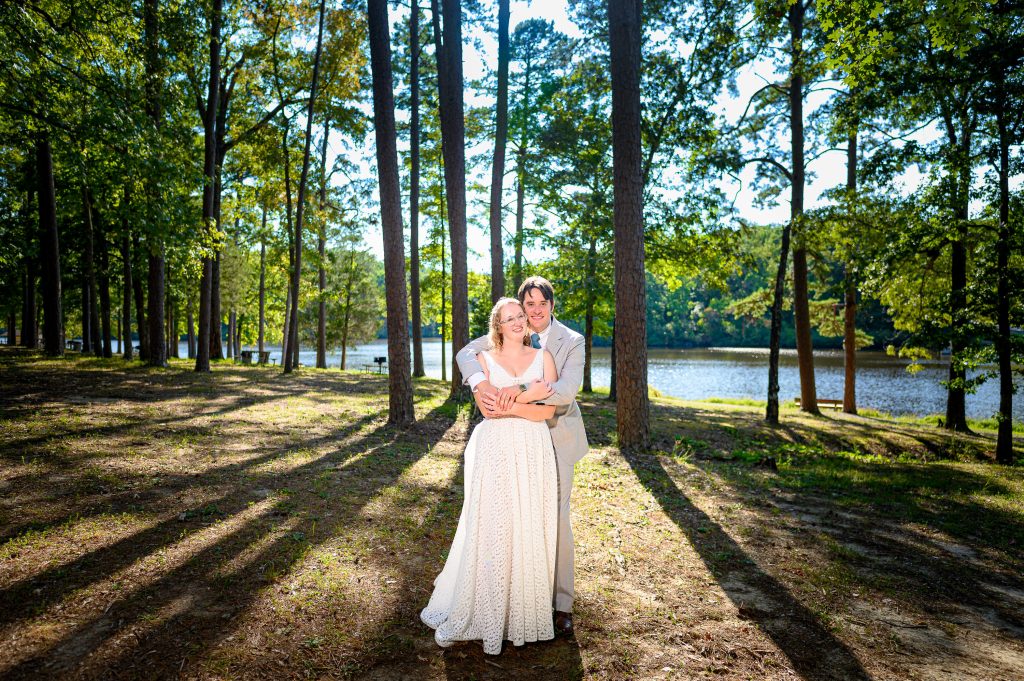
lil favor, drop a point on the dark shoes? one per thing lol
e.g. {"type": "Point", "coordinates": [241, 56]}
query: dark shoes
{"type": "Point", "coordinates": [563, 623]}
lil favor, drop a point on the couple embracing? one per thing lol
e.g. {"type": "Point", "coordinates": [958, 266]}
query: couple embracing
{"type": "Point", "coordinates": [509, 573]}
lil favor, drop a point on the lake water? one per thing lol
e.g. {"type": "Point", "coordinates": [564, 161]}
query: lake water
{"type": "Point", "coordinates": [883, 382]}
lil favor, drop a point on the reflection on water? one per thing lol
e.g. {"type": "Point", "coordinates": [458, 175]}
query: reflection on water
{"type": "Point", "coordinates": [883, 382]}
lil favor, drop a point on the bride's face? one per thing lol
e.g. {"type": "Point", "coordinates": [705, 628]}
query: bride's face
{"type": "Point", "coordinates": [513, 323]}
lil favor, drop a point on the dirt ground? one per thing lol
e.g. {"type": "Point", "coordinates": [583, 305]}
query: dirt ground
{"type": "Point", "coordinates": [251, 525]}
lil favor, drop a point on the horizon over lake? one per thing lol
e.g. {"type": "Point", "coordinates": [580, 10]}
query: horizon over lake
{"type": "Point", "coordinates": [883, 382]}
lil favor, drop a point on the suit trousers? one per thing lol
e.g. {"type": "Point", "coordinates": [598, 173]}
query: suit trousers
{"type": "Point", "coordinates": [564, 554]}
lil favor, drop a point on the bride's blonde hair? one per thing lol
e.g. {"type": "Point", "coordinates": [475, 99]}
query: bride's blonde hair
{"type": "Point", "coordinates": [495, 335]}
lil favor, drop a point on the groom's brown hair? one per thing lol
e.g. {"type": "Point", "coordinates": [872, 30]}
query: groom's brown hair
{"type": "Point", "coordinates": [539, 283]}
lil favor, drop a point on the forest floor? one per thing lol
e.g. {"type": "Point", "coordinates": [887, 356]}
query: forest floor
{"type": "Point", "coordinates": [247, 524]}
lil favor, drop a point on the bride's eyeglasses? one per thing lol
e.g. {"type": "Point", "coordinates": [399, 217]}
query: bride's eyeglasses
{"type": "Point", "coordinates": [518, 318]}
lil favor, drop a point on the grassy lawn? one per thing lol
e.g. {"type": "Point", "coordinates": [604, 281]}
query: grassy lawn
{"type": "Point", "coordinates": [247, 524]}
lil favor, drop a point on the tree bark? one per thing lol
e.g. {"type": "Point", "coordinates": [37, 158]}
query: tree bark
{"type": "Point", "coordinates": [801, 310]}
{"type": "Point", "coordinates": [347, 307]}
{"type": "Point", "coordinates": [155, 291]}
{"type": "Point", "coordinates": [632, 409]}
{"type": "Point", "coordinates": [517, 270]}
{"type": "Point", "coordinates": [300, 209]}
{"type": "Point", "coordinates": [956, 396]}
{"type": "Point", "coordinates": [90, 316]}
{"type": "Point", "coordinates": [414, 191]}
{"type": "Point", "coordinates": [29, 332]}
{"type": "Point", "coordinates": [498, 165]}
{"type": "Point", "coordinates": [191, 332]}
{"type": "Point", "coordinates": [850, 307]}
{"type": "Point", "coordinates": [157, 355]}
{"type": "Point", "coordinates": [103, 281]}
{"type": "Point", "coordinates": [588, 317]}
{"type": "Point", "coordinates": [209, 181]}
{"type": "Point", "coordinates": [321, 267]}
{"type": "Point", "coordinates": [286, 339]}
{"type": "Point", "coordinates": [49, 243]}
{"type": "Point", "coordinates": [775, 334]}
{"type": "Point", "coordinates": [453, 135]}
{"type": "Point", "coordinates": [140, 300]}
{"type": "Point", "coordinates": [260, 340]}
{"type": "Point", "coordinates": [400, 404]}
{"type": "Point", "coordinates": [1004, 435]}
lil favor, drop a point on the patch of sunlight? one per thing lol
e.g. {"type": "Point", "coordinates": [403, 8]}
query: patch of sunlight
{"type": "Point", "coordinates": [417, 491]}
{"type": "Point", "coordinates": [121, 585]}
{"type": "Point", "coordinates": [57, 545]}
{"type": "Point", "coordinates": [287, 462]}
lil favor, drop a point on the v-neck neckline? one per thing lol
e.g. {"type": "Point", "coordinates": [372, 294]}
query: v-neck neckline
{"type": "Point", "coordinates": [512, 375]}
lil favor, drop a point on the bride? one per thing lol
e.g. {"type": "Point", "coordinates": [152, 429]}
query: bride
{"type": "Point", "coordinates": [498, 581]}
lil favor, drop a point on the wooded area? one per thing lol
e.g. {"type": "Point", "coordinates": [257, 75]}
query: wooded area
{"type": "Point", "coordinates": [172, 171]}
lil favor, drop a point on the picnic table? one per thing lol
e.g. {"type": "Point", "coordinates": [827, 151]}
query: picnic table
{"type": "Point", "coordinates": [825, 404]}
{"type": "Point", "coordinates": [247, 355]}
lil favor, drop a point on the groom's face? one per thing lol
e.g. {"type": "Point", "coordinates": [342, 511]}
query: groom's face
{"type": "Point", "coordinates": [538, 309]}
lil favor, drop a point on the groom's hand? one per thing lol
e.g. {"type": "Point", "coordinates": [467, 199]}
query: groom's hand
{"type": "Point", "coordinates": [486, 396]}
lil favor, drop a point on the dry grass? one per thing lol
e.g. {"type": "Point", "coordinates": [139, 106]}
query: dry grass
{"type": "Point", "coordinates": [247, 524]}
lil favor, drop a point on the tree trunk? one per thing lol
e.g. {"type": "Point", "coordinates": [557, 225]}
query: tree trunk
{"type": "Point", "coordinates": [286, 339]}
{"type": "Point", "coordinates": [517, 270]}
{"type": "Point", "coordinates": [400, 404]}
{"type": "Point", "coordinates": [300, 209]}
{"type": "Point", "coordinates": [414, 191]}
{"type": "Point", "coordinates": [347, 307]}
{"type": "Point", "coordinates": [850, 308]}
{"type": "Point", "coordinates": [49, 251]}
{"type": "Point", "coordinates": [263, 289]}
{"type": "Point", "coordinates": [29, 332]}
{"type": "Point", "coordinates": [453, 135]}
{"type": "Point", "coordinates": [444, 311]}
{"type": "Point", "coordinates": [956, 396]}
{"type": "Point", "coordinates": [801, 311]}
{"type": "Point", "coordinates": [157, 355]}
{"type": "Point", "coordinates": [630, 293]}
{"type": "Point", "coordinates": [140, 300]}
{"type": "Point", "coordinates": [775, 335]}
{"type": "Point", "coordinates": [321, 249]}
{"type": "Point", "coordinates": [127, 346]}
{"type": "Point", "coordinates": [232, 334]}
{"type": "Point", "coordinates": [286, 335]}
{"type": "Point", "coordinates": [103, 282]}
{"type": "Point", "coordinates": [498, 166]}
{"type": "Point", "coordinates": [155, 290]}
{"type": "Point", "coordinates": [1004, 436]}
{"type": "Point", "coordinates": [209, 181]}
{"type": "Point", "coordinates": [29, 312]}
{"type": "Point", "coordinates": [216, 314]}
{"type": "Point", "coordinates": [588, 318]}
{"type": "Point", "coordinates": [90, 316]}
{"type": "Point", "coordinates": [172, 317]}
{"type": "Point", "coordinates": [191, 331]}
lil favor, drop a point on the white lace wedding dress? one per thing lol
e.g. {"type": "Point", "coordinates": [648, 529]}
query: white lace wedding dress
{"type": "Point", "coordinates": [498, 581]}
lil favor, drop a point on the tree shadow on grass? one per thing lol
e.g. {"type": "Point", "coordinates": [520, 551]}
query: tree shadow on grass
{"type": "Point", "coordinates": [815, 653]}
{"type": "Point", "coordinates": [188, 609]}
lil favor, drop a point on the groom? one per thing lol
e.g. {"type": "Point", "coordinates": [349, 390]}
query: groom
{"type": "Point", "coordinates": [567, 434]}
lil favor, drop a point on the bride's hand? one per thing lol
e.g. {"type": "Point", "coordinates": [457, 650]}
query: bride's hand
{"type": "Point", "coordinates": [538, 390]}
{"type": "Point", "coordinates": [506, 398]}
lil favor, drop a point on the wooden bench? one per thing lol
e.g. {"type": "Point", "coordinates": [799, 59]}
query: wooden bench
{"type": "Point", "coordinates": [825, 404]}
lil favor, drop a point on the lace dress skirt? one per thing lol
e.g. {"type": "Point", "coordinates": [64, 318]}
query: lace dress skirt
{"type": "Point", "coordinates": [498, 581]}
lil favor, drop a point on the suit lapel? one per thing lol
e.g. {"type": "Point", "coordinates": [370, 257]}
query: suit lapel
{"type": "Point", "coordinates": [554, 343]}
